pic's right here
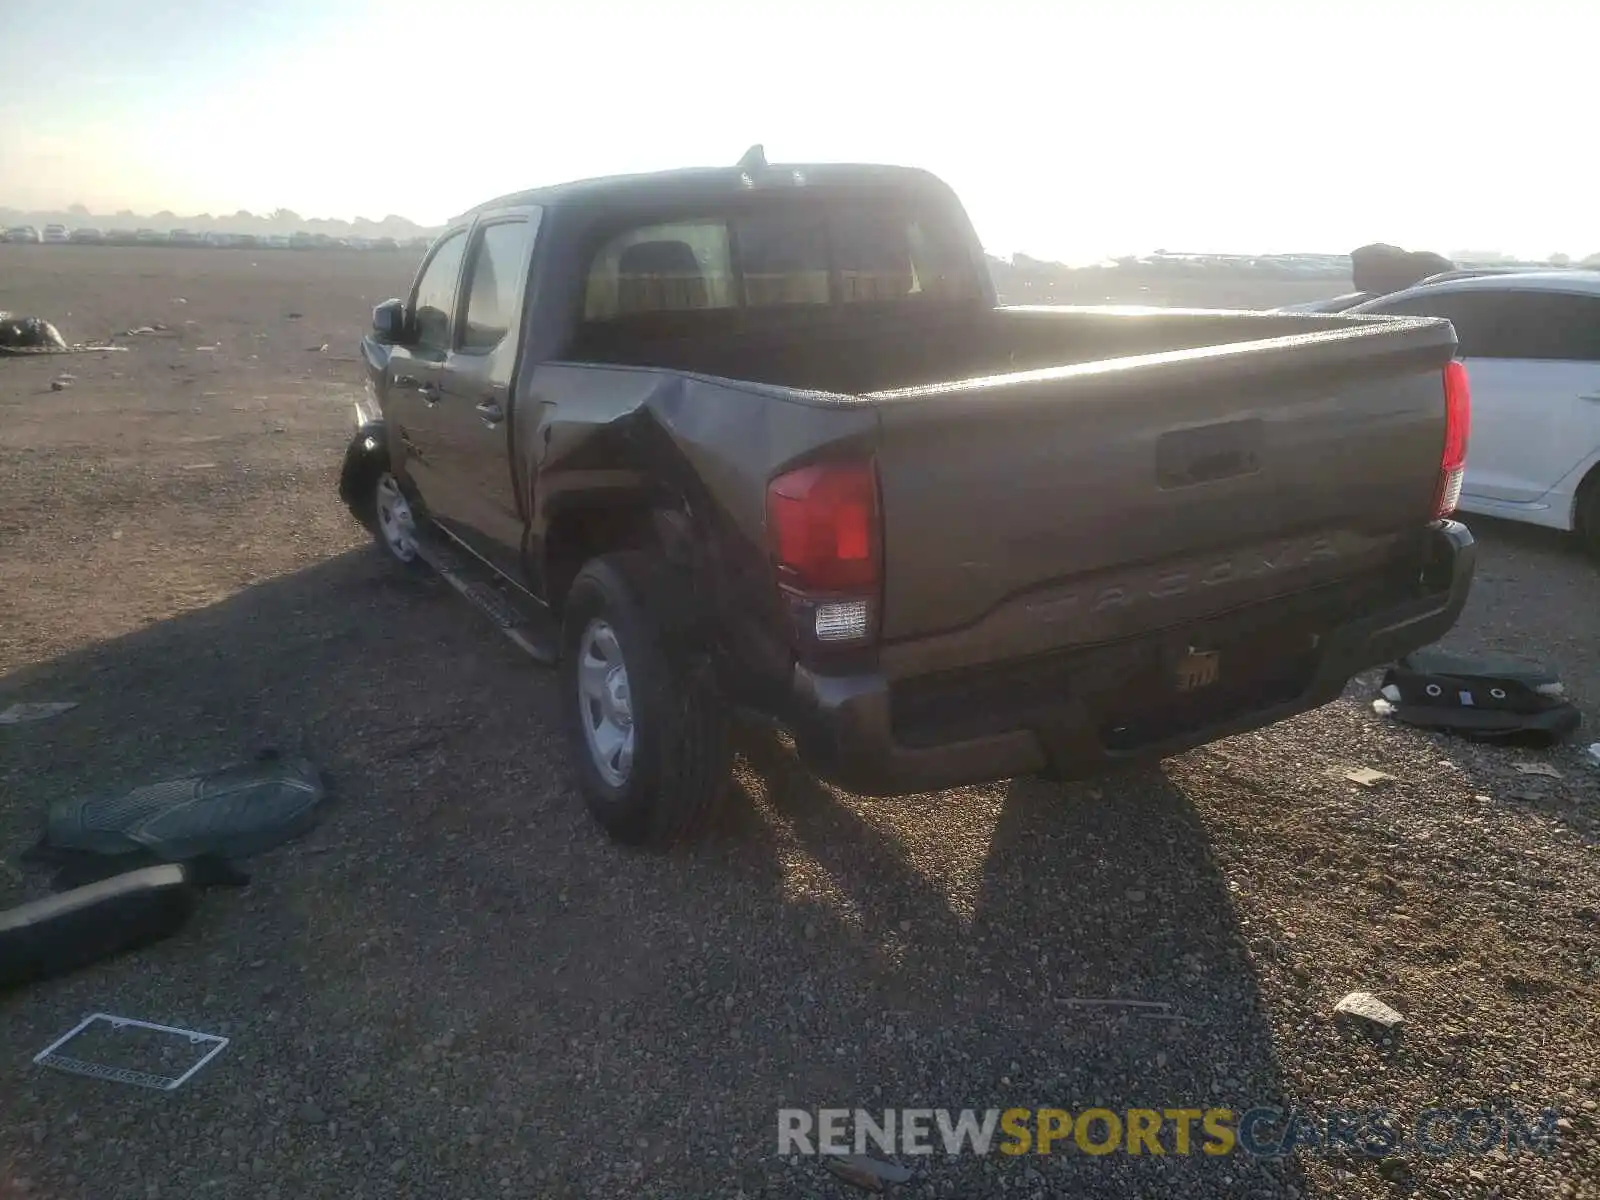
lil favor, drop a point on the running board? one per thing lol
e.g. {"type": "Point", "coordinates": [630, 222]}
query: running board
{"type": "Point", "coordinates": [522, 620]}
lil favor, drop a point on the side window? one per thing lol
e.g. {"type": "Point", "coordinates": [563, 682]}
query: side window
{"type": "Point", "coordinates": [1507, 325]}
{"type": "Point", "coordinates": [1513, 324]}
{"type": "Point", "coordinates": [494, 284]}
{"type": "Point", "coordinates": [783, 258]}
{"type": "Point", "coordinates": [1558, 325]}
{"type": "Point", "coordinates": [436, 294]}
{"type": "Point", "coordinates": [1471, 312]}
{"type": "Point", "coordinates": [674, 267]}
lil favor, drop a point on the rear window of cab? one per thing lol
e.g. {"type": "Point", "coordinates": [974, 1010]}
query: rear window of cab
{"type": "Point", "coordinates": [784, 257]}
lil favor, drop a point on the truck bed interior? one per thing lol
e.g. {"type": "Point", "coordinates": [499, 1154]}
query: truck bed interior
{"type": "Point", "coordinates": [852, 352]}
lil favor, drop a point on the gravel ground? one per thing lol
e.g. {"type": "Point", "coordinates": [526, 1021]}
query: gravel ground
{"type": "Point", "coordinates": [455, 987]}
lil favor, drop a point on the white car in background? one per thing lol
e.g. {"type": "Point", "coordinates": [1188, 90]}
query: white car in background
{"type": "Point", "coordinates": [57, 234]}
{"type": "Point", "coordinates": [1531, 342]}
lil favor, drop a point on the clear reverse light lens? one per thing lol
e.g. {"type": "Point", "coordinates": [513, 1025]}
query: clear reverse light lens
{"type": "Point", "coordinates": [842, 622]}
{"type": "Point", "coordinates": [1450, 493]}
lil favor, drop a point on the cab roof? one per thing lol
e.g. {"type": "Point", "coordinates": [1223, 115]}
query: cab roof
{"type": "Point", "coordinates": [709, 185]}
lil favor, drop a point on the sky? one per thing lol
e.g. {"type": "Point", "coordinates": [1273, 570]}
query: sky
{"type": "Point", "coordinates": [1072, 129]}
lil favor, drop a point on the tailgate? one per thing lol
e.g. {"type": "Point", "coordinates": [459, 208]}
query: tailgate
{"type": "Point", "coordinates": [1081, 504]}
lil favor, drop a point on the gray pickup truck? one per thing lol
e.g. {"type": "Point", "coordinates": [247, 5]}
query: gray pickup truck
{"type": "Point", "coordinates": [760, 441]}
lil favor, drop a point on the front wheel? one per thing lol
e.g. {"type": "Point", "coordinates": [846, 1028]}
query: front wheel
{"type": "Point", "coordinates": [373, 494]}
{"type": "Point", "coordinates": [646, 727]}
{"type": "Point", "coordinates": [394, 523]}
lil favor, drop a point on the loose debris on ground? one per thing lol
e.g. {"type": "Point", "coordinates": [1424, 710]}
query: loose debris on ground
{"type": "Point", "coordinates": [17, 714]}
{"type": "Point", "coordinates": [1367, 1007]}
{"type": "Point", "coordinates": [128, 1050]}
{"type": "Point", "coordinates": [34, 336]}
{"type": "Point", "coordinates": [127, 866]}
{"type": "Point", "coordinates": [868, 1174]}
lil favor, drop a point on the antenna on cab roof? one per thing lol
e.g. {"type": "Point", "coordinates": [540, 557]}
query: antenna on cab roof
{"type": "Point", "coordinates": [755, 158]}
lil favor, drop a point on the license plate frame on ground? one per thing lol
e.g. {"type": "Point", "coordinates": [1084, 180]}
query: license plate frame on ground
{"type": "Point", "coordinates": [52, 1057]}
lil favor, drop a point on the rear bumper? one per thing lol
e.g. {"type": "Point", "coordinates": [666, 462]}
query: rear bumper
{"type": "Point", "coordinates": [845, 729]}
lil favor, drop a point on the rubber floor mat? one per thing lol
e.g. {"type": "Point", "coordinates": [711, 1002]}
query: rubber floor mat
{"type": "Point", "coordinates": [231, 813]}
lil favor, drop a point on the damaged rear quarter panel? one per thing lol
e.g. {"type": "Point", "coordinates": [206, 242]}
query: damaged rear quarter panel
{"type": "Point", "coordinates": [599, 436]}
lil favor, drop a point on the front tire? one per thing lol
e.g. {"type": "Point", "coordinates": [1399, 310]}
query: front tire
{"type": "Point", "coordinates": [375, 499]}
{"type": "Point", "coordinates": [647, 729]}
{"type": "Point", "coordinates": [394, 524]}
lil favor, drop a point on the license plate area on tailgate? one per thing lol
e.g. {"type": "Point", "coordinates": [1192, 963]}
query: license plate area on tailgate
{"type": "Point", "coordinates": [1130, 692]}
{"type": "Point", "coordinates": [1205, 681]}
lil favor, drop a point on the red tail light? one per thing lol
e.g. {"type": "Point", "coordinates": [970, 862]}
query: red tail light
{"type": "Point", "coordinates": [1457, 428]}
{"type": "Point", "coordinates": [824, 526]}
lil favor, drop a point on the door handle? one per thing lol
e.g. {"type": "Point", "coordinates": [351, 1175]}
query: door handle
{"type": "Point", "coordinates": [1592, 397]}
{"type": "Point", "coordinates": [430, 394]}
{"type": "Point", "coordinates": [491, 412]}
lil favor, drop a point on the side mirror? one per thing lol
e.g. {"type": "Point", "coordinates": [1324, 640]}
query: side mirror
{"type": "Point", "coordinates": [389, 321]}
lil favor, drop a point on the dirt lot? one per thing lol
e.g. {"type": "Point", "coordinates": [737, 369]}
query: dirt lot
{"type": "Point", "coordinates": [455, 987]}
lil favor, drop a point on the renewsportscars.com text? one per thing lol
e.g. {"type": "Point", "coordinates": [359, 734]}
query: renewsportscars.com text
{"type": "Point", "coordinates": [1263, 1131]}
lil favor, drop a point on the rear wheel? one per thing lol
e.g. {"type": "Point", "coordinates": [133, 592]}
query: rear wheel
{"type": "Point", "coordinates": [1588, 524]}
{"type": "Point", "coordinates": [647, 729]}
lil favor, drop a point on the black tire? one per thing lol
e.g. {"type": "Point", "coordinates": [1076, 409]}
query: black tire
{"type": "Point", "coordinates": [365, 459]}
{"type": "Point", "coordinates": [367, 511]}
{"type": "Point", "coordinates": [366, 466]}
{"type": "Point", "coordinates": [412, 563]}
{"type": "Point", "coordinates": [1588, 522]}
{"type": "Point", "coordinates": [682, 762]}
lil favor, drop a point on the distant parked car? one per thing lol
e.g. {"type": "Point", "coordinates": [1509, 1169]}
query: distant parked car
{"type": "Point", "coordinates": [1349, 300]}
{"type": "Point", "coordinates": [87, 234]}
{"type": "Point", "coordinates": [185, 237]}
{"type": "Point", "coordinates": [22, 233]}
{"type": "Point", "coordinates": [385, 243]}
{"type": "Point", "coordinates": [149, 237]}
{"type": "Point", "coordinates": [1531, 342]}
{"type": "Point", "coordinates": [56, 234]}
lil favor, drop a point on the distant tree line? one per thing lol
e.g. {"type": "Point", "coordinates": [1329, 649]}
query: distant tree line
{"type": "Point", "coordinates": [279, 221]}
